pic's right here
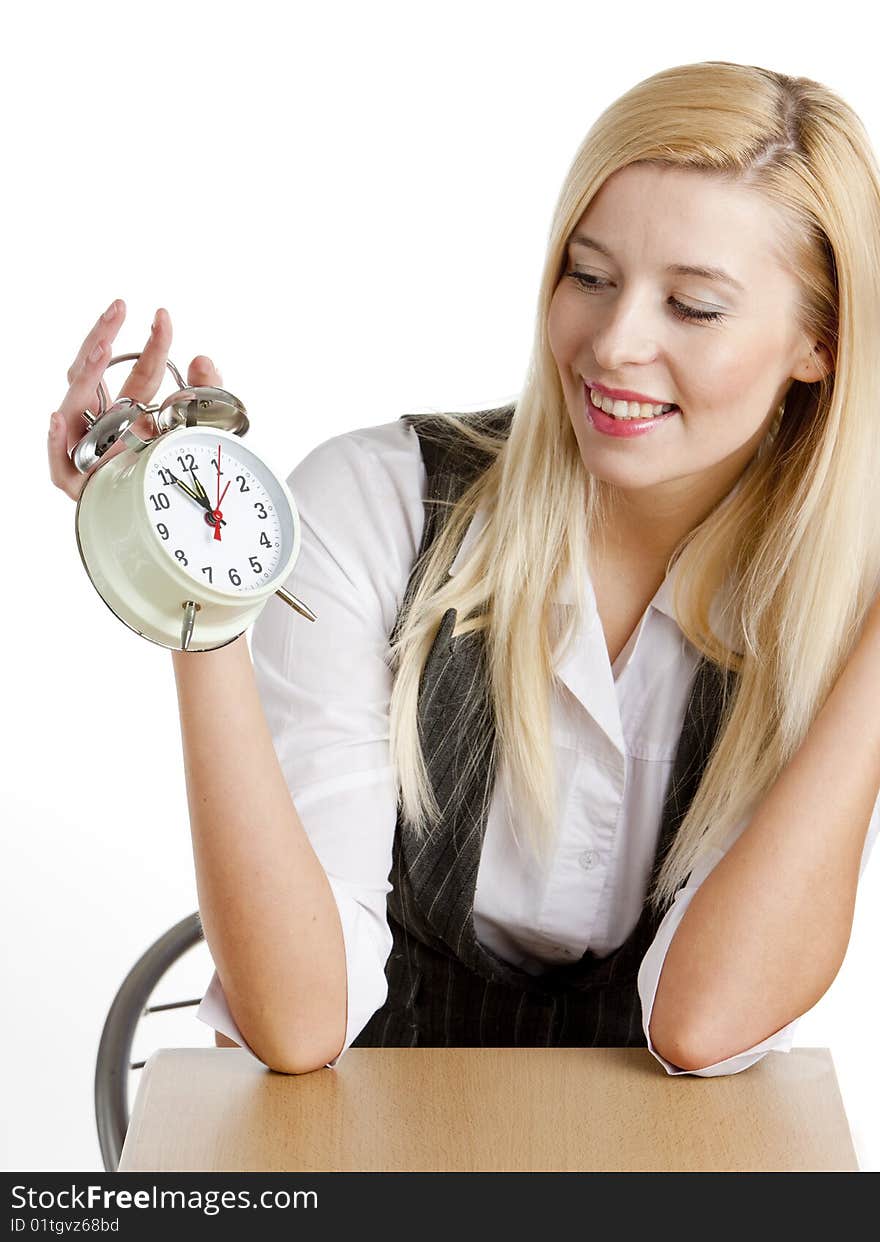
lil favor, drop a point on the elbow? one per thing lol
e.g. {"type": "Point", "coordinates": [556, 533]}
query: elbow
{"type": "Point", "coordinates": [306, 1066]}
{"type": "Point", "coordinates": [692, 1055]}
{"type": "Point", "coordinates": [295, 1049]}
{"type": "Point", "coordinates": [677, 1037]}
{"type": "Point", "coordinates": [682, 1055]}
{"type": "Point", "coordinates": [301, 1059]}
{"type": "Point", "coordinates": [674, 1047]}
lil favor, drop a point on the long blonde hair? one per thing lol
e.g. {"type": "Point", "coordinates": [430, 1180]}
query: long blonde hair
{"type": "Point", "coordinates": [797, 543]}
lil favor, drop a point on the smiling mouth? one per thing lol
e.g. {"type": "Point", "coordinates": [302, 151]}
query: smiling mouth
{"type": "Point", "coordinates": [628, 411]}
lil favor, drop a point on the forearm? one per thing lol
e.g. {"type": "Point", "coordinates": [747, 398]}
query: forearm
{"type": "Point", "coordinates": [268, 912]}
{"type": "Point", "coordinates": [767, 930]}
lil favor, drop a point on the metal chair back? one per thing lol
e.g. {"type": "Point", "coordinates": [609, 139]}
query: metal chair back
{"type": "Point", "coordinates": [130, 1005]}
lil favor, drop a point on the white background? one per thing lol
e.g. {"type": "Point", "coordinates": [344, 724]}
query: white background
{"type": "Point", "coordinates": [346, 206]}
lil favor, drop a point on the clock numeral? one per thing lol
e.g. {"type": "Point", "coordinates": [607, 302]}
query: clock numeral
{"type": "Point", "coordinates": [206, 569]}
{"type": "Point", "coordinates": [255, 565]}
{"type": "Point", "coordinates": [162, 529]}
{"type": "Point", "coordinates": [258, 504]}
{"type": "Point", "coordinates": [167, 477]}
{"type": "Point", "coordinates": [214, 464]}
{"type": "Point", "coordinates": [264, 540]}
{"type": "Point", "coordinates": [239, 478]}
{"type": "Point", "coordinates": [192, 461]}
{"type": "Point", "coordinates": [234, 578]}
{"type": "Point", "coordinates": [180, 556]}
{"type": "Point", "coordinates": [160, 501]}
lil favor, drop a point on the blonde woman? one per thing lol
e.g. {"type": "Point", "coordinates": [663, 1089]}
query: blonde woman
{"type": "Point", "coordinates": [582, 749]}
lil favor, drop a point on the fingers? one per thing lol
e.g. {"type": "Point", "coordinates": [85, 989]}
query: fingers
{"type": "Point", "coordinates": [142, 384]}
{"type": "Point", "coordinates": [85, 374]}
{"type": "Point", "coordinates": [110, 322]}
{"type": "Point", "coordinates": [69, 423]}
{"type": "Point", "coordinates": [62, 471]}
{"type": "Point", "coordinates": [87, 370]}
{"type": "Point", "coordinates": [202, 372]}
{"type": "Point", "coordinates": [146, 376]}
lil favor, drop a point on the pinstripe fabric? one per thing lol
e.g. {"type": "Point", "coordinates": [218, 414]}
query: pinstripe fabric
{"type": "Point", "coordinates": [445, 989]}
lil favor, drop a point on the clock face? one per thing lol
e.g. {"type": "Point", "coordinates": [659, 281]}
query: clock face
{"type": "Point", "coordinates": [217, 510]}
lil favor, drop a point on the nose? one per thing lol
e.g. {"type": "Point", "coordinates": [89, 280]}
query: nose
{"type": "Point", "coordinates": [623, 332]}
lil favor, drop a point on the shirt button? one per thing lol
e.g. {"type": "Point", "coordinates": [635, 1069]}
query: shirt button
{"type": "Point", "coordinates": [587, 859]}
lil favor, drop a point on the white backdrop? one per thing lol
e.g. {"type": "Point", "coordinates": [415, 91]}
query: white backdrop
{"type": "Point", "coordinates": [346, 207]}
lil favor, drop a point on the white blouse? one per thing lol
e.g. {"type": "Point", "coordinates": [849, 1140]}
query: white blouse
{"type": "Point", "coordinates": [325, 687]}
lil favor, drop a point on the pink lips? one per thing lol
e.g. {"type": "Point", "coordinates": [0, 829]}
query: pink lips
{"type": "Point", "coordinates": [611, 426]}
{"type": "Point", "coordinates": [624, 394]}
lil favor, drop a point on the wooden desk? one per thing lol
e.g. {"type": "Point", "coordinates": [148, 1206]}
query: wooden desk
{"type": "Point", "coordinates": [486, 1109]}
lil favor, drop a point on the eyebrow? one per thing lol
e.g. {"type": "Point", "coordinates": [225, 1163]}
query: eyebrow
{"type": "Point", "coordinates": [680, 269]}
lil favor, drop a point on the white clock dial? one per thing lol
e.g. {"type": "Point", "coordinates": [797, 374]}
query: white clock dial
{"type": "Point", "coordinates": [244, 550]}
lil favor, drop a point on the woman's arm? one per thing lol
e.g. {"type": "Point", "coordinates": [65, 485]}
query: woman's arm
{"type": "Point", "coordinates": [269, 915]}
{"type": "Point", "coordinates": [767, 931]}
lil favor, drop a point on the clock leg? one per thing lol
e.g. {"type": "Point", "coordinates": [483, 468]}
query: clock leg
{"type": "Point", "coordinates": [295, 603]}
{"type": "Point", "coordinates": [190, 608]}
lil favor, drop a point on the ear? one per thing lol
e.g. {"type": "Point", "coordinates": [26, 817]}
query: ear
{"type": "Point", "coordinates": [816, 363]}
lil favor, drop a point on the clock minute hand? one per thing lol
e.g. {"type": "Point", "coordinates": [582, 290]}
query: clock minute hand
{"type": "Point", "coordinates": [197, 484]}
{"type": "Point", "coordinates": [193, 496]}
{"type": "Point", "coordinates": [203, 496]}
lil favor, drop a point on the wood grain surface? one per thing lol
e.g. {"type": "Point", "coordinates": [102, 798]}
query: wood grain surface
{"type": "Point", "coordinates": [486, 1109]}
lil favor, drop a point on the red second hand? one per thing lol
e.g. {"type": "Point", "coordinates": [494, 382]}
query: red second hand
{"type": "Point", "coordinates": [217, 515]}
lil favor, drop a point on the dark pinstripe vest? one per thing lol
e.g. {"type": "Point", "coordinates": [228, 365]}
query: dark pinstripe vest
{"type": "Point", "coordinates": [445, 989]}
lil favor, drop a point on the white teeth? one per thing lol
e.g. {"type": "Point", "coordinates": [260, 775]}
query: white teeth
{"type": "Point", "coordinates": [626, 409]}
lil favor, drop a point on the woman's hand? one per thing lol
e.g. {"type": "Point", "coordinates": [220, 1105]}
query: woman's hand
{"type": "Point", "coordinates": [84, 375]}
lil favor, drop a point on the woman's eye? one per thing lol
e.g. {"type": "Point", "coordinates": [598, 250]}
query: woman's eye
{"type": "Point", "coordinates": [584, 278]}
{"type": "Point", "coordinates": [592, 283]}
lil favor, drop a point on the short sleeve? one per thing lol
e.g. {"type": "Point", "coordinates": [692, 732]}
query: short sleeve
{"type": "Point", "coordinates": [652, 963]}
{"type": "Point", "coordinates": [325, 686]}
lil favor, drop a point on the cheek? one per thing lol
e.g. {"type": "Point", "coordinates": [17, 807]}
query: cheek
{"type": "Point", "coordinates": [562, 327]}
{"type": "Point", "coordinates": [735, 388]}
{"type": "Point", "coordinates": [715, 390]}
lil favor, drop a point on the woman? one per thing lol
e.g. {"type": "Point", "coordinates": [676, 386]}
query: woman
{"type": "Point", "coordinates": [621, 749]}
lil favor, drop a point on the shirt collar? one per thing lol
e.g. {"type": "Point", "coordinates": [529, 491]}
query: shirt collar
{"type": "Point", "coordinates": [583, 667]}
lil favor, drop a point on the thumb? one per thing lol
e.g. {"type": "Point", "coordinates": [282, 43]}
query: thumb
{"type": "Point", "coordinates": [202, 372]}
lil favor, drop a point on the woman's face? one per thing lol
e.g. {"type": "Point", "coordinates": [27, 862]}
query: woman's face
{"type": "Point", "coordinates": [622, 318]}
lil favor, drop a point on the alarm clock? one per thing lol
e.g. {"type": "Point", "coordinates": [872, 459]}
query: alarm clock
{"type": "Point", "coordinates": [187, 535]}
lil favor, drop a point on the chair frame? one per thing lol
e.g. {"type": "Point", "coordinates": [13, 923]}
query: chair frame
{"type": "Point", "coordinates": [130, 1004]}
